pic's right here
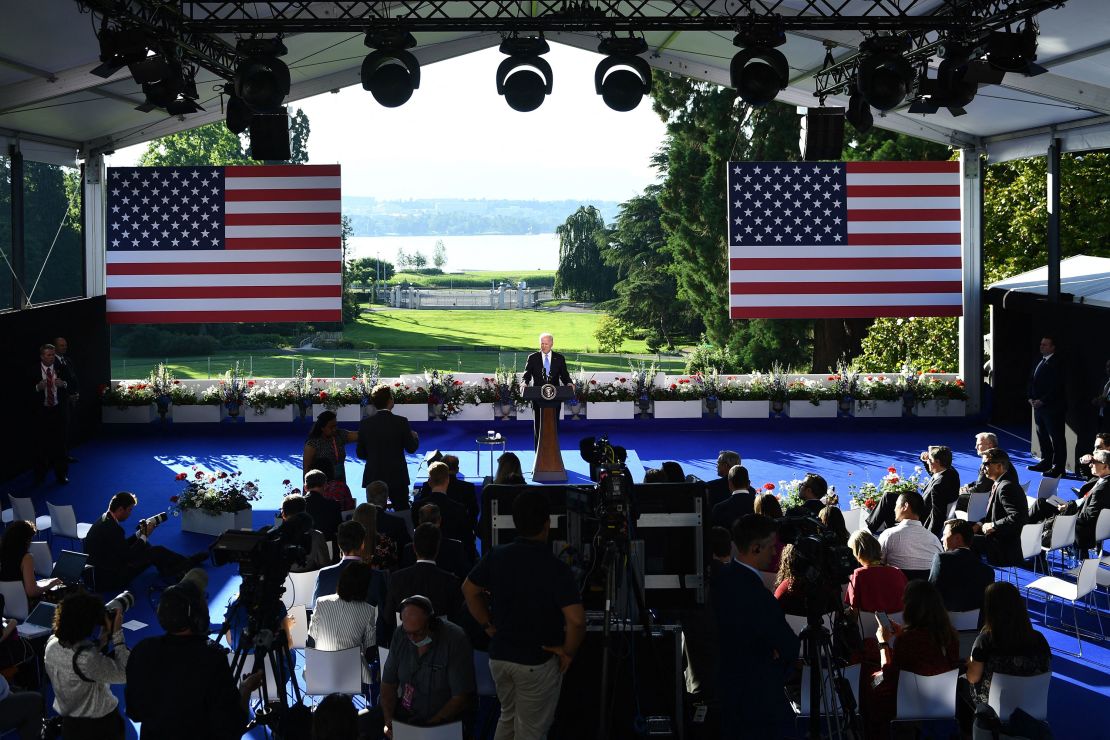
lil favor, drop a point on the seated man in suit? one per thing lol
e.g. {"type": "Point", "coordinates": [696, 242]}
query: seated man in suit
{"type": "Point", "coordinates": [1087, 507]}
{"type": "Point", "coordinates": [718, 489]}
{"type": "Point", "coordinates": [741, 499]}
{"type": "Point", "coordinates": [998, 534]}
{"type": "Point", "coordinates": [983, 441]}
{"type": "Point", "coordinates": [391, 524]}
{"type": "Point", "coordinates": [351, 536]}
{"type": "Point", "coordinates": [459, 490]}
{"type": "Point", "coordinates": [812, 489]}
{"type": "Point", "coordinates": [426, 577]}
{"type": "Point", "coordinates": [457, 524]}
{"type": "Point", "coordinates": [942, 489]}
{"type": "Point", "coordinates": [908, 545]}
{"type": "Point", "coordinates": [325, 512]}
{"type": "Point", "coordinates": [960, 575]}
{"type": "Point", "coordinates": [451, 557]}
{"type": "Point", "coordinates": [318, 556]}
{"type": "Point", "coordinates": [118, 558]}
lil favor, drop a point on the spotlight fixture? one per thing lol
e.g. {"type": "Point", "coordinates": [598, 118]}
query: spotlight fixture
{"type": "Point", "coordinates": [119, 47]}
{"type": "Point", "coordinates": [238, 114]}
{"type": "Point", "coordinates": [759, 72]}
{"type": "Point", "coordinates": [524, 78]}
{"type": "Point", "coordinates": [885, 76]}
{"type": "Point", "coordinates": [261, 79]}
{"type": "Point", "coordinates": [949, 89]}
{"type": "Point", "coordinates": [175, 92]}
{"type": "Point", "coordinates": [390, 73]}
{"type": "Point", "coordinates": [157, 63]}
{"type": "Point", "coordinates": [859, 114]}
{"type": "Point", "coordinates": [1014, 51]}
{"type": "Point", "coordinates": [622, 78]}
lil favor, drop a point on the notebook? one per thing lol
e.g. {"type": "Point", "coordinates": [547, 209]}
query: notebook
{"type": "Point", "coordinates": [69, 567]}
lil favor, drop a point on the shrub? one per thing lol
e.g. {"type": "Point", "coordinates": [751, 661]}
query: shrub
{"type": "Point", "coordinates": [610, 334]}
{"type": "Point", "coordinates": [706, 357]}
{"type": "Point", "coordinates": [253, 341]}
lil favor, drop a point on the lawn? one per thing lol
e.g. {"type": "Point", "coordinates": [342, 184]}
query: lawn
{"type": "Point", "coordinates": [468, 341]}
{"type": "Point", "coordinates": [478, 279]}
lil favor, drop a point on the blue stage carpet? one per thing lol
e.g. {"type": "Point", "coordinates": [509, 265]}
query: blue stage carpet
{"type": "Point", "coordinates": [145, 461]}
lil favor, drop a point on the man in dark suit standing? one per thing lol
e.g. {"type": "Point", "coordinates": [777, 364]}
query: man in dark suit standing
{"type": "Point", "coordinates": [383, 440]}
{"type": "Point", "coordinates": [351, 536]}
{"type": "Point", "coordinates": [998, 534]}
{"type": "Point", "coordinates": [960, 575]}
{"type": "Point", "coordinates": [426, 578]}
{"type": "Point", "coordinates": [757, 646]}
{"type": "Point", "coordinates": [741, 499]}
{"type": "Point", "coordinates": [50, 416]}
{"type": "Point", "coordinates": [1046, 397]}
{"type": "Point", "coordinates": [718, 489]}
{"type": "Point", "coordinates": [543, 367]}
{"type": "Point", "coordinates": [942, 489]}
{"type": "Point", "coordinates": [69, 373]}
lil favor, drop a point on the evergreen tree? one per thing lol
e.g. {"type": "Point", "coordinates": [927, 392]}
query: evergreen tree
{"type": "Point", "coordinates": [582, 274]}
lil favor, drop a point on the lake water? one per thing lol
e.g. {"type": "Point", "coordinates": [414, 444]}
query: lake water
{"type": "Point", "coordinates": [492, 252]}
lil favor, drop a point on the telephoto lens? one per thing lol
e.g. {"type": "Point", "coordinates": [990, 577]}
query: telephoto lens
{"type": "Point", "coordinates": [122, 603]}
{"type": "Point", "coordinates": [157, 519]}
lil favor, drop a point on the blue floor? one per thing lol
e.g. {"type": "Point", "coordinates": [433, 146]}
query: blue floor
{"type": "Point", "coordinates": [145, 461]}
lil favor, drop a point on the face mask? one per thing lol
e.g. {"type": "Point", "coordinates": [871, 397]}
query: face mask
{"type": "Point", "coordinates": [422, 643]}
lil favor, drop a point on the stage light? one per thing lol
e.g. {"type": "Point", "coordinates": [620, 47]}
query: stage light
{"type": "Point", "coordinates": [859, 114]}
{"type": "Point", "coordinates": [759, 72]}
{"type": "Point", "coordinates": [238, 115]}
{"type": "Point", "coordinates": [622, 78]}
{"type": "Point", "coordinates": [261, 79]}
{"type": "Point", "coordinates": [119, 47]}
{"type": "Point", "coordinates": [176, 92]}
{"type": "Point", "coordinates": [155, 65]}
{"type": "Point", "coordinates": [524, 78]}
{"type": "Point", "coordinates": [885, 76]}
{"type": "Point", "coordinates": [390, 73]}
{"type": "Point", "coordinates": [1014, 51]}
{"type": "Point", "coordinates": [949, 89]}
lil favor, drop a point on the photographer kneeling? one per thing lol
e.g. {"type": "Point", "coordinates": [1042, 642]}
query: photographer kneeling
{"type": "Point", "coordinates": [81, 672]}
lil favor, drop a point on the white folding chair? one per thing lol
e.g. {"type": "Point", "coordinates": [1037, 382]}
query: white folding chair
{"type": "Point", "coordinates": [853, 519]}
{"type": "Point", "coordinates": [1025, 487]}
{"type": "Point", "coordinates": [1102, 528]}
{"type": "Point", "coordinates": [63, 523]}
{"type": "Point", "coordinates": [1030, 547]}
{"type": "Point", "coordinates": [926, 697]}
{"type": "Point", "coordinates": [966, 625]}
{"type": "Point", "coordinates": [24, 508]}
{"type": "Point", "coordinates": [401, 731]}
{"type": "Point", "coordinates": [1030, 693]}
{"type": "Point", "coordinates": [976, 507]}
{"type": "Point", "coordinates": [1067, 591]}
{"type": "Point", "coordinates": [15, 600]}
{"type": "Point", "coordinates": [1047, 487]}
{"type": "Point", "coordinates": [1063, 534]}
{"type": "Point", "coordinates": [300, 588]}
{"type": "Point", "coordinates": [40, 556]}
{"type": "Point", "coordinates": [829, 699]}
{"type": "Point", "coordinates": [298, 631]}
{"type": "Point", "coordinates": [333, 671]}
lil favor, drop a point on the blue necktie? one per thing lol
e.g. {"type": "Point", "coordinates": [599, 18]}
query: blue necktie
{"type": "Point", "coordinates": [547, 365]}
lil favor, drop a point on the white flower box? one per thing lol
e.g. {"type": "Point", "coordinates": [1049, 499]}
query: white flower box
{"type": "Point", "coordinates": [941, 407]}
{"type": "Point", "coordinates": [128, 414]}
{"type": "Point", "coordinates": [203, 413]}
{"type": "Point", "coordinates": [411, 411]}
{"type": "Point", "coordinates": [525, 413]}
{"type": "Point", "coordinates": [744, 409]}
{"type": "Point", "coordinates": [204, 522]}
{"type": "Point", "coordinates": [474, 412]}
{"type": "Point", "coordinates": [678, 409]}
{"type": "Point", "coordinates": [807, 410]}
{"type": "Point", "coordinates": [610, 410]}
{"type": "Point", "coordinates": [270, 415]}
{"type": "Point", "coordinates": [878, 409]}
{"type": "Point", "coordinates": [343, 413]}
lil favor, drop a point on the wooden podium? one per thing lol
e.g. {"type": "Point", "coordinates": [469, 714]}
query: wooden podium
{"type": "Point", "coordinates": [546, 399]}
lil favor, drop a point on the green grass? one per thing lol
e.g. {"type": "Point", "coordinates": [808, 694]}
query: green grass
{"type": "Point", "coordinates": [442, 339]}
{"type": "Point", "coordinates": [477, 279]}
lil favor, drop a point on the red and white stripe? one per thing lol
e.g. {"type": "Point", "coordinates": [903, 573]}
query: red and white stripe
{"type": "Point", "coordinates": [282, 257]}
{"type": "Point", "coordinates": [902, 257]}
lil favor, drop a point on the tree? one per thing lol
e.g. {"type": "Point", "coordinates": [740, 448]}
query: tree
{"type": "Point", "coordinates": [402, 259]}
{"type": "Point", "coordinates": [350, 302]}
{"type": "Point", "coordinates": [923, 343]}
{"type": "Point", "coordinates": [611, 333]}
{"type": "Point", "coordinates": [439, 254]}
{"type": "Point", "coordinates": [298, 137]}
{"type": "Point", "coordinates": [211, 144]}
{"type": "Point", "coordinates": [418, 260]}
{"type": "Point", "coordinates": [582, 275]}
{"type": "Point", "coordinates": [368, 269]}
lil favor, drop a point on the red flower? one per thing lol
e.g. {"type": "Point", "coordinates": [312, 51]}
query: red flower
{"type": "Point", "coordinates": [894, 479]}
{"type": "Point", "coordinates": [458, 382]}
{"type": "Point", "coordinates": [397, 384]}
{"type": "Point", "coordinates": [173, 499]}
{"type": "Point", "coordinates": [177, 382]}
{"type": "Point", "coordinates": [222, 474]}
{"type": "Point", "coordinates": [674, 387]}
{"type": "Point", "coordinates": [831, 377]}
{"type": "Point", "coordinates": [933, 370]}
{"type": "Point", "coordinates": [622, 379]}
{"type": "Point", "coordinates": [892, 469]}
{"type": "Point", "coordinates": [180, 476]}
{"type": "Point", "coordinates": [593, 382]}
{"type": "Point", "coordinates": [869, 504]}
{"type": "Point", "coordinates": [199, 474]}
{"type": "Point", "coordinates": [285, 482]}
{"type": "Point", "coordinates": [882, 377]}
{"type": "Point", "coordinates": [250, 383]}
{"type": "Point", "coordinates": [768, 486]}
{"type": "Point", "coordinates": [959, 383]}
{"type": "Point", "coordinates": [354, 377]}
{"type": "Point", "coordinates": [869, 377]}
{"type": "Point", "coordinates": [323, 395]}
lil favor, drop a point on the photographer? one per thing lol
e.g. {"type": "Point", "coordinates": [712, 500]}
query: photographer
{"type": "Point", "coordinates": [81, 672]}
{"type": "Point", "coordinates": [180, 685]}
{"type": "Point", "coordinates": [118, 558]}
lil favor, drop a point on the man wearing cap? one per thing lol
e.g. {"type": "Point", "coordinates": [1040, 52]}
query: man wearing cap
{"type": "Point", "coordinates": [428, 678]}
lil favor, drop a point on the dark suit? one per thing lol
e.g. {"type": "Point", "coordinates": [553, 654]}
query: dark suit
{"type": "Point", "coordinates": [1008, 511]}
{"type": "Point", "coordinates": [757, 648]}
{"type": "Point", "coordinates": [452, 558]}
{"type": "Point", "coordinates": [69, 373]}
{"type": "Point", "coordinates": [810, 506]}
{"type": "Point", "coordinates": [464, 493]}
{"type": "Point", "coordinates": [50, 424]}
{"type": "Point", "coordinates": [735, 506]}
{"type": "Point", "coordinates": [1088, 509]}
{"type": "Point", "coordinates": [961, 577]}
{"type": "Point", "coordinates": [983, 484]}
{"type": "Point", "coordinates": [534, 374]}
{"type": "Point", "coordinates": [427, 580]}
{"type": "Point", "coordinates": [457, 524]}
{"type": "Point", "coordinates": [118, 558]}
{"type": "Point", "coordinates": [395, 528]}
{"type": "Point", "coordinates": [328, 581]}
{"type": "Point", "coordinates": [716, 491]}
{"type": "Point", "coordinates": [882, 516]}
{"type": "Point", "coordinates": [939, 493]}
{"type": "Point", "coordinates": [383, 440]}
{"type": "Point", "coordinates": [325, 513]}
{"type": "Point", "coordinates": [1046, 386]}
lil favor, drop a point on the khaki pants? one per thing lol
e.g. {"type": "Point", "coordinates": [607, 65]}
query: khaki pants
{"type": "Point", "coordinates": [528, 696]}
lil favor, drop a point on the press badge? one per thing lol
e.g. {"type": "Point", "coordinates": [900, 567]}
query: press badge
{"type": "Point", "coordinates": [406, 696]}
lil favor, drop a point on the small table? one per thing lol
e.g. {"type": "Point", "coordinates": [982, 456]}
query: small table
{"type": "Point", "coordinates": [491, 442]}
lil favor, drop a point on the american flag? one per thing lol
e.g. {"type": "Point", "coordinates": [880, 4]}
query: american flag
{"type": "Point", "coordinates": [818, 240]}
{"type": "Point", "coordinates": [224, 244]}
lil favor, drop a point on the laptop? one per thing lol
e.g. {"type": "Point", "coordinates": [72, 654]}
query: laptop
{"type": "Point", "coordinates": [69, 567]}
{"type": "Point", "coordinates": [40, 621]}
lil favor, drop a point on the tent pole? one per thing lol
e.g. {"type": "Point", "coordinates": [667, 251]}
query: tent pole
{"type": "Point", "coordinates": [971, 322]}
{"type": "Point", "coordinates": [1054, 221]}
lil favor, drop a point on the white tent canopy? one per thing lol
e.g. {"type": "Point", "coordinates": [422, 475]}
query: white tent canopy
{"type": "Point", "coordinates": [1087, 279]}
{"type": "Point", "coordinates": [48, 97]}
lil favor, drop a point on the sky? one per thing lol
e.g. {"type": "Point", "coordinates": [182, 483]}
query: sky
{"type": "Point", "coordinates": [457, 138]}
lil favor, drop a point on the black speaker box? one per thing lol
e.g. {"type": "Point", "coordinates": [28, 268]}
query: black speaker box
{"type": "Point", "coordinates": [822, 134]}
{"type": "Point", "coordinates": [270, 136]}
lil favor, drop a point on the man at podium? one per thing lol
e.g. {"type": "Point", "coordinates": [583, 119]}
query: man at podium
{"type": "Point", "coordinates": [543, 367]}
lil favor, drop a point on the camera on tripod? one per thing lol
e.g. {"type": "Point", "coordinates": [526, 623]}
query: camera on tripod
{"type": "Point", "coordinates": [820, 556]}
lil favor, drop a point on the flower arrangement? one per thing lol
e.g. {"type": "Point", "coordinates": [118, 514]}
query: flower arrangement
{"type": "Point", "coordinates": [508, 386]}
{"type": "Point", "coordinates": [303, 387]}
{"type": "Point", "coordinates": [214, 493]}
{"type": "Point", "coordinates": [642, 378]}
{"type": "Point", "coordinates": [270, 395]}
{"type": "Point", "coordinates": [618, 389]}
{"type": "Point", "coordinates": [182, 395]}
{"type": "Point", "coordinates": [365, 379]}
{"type": "Point", "coordinates": [161, 380]}
{"type": "Point", "coordinates": [579, 381]}
{"type": "Point", "coordinates": [880, 388]}
{"type": "Point", "coordinates": [845, 380]}
{"type": "Point", "coordinates": [789, 495]}
{"type": "Point", "coordinates": [334, 395]}
{"type": "Point", "coordinates": [233, 387]}
{"type": "Point", "coordinates": [444, 392]}
{"type": "Point", "coordinates": [933, 388]}
{"type": "Point", "coordinates": [771, 386]}
{"type": "Point", "coordinates": [867, 495]}
{"type": "Point", "coordinates": [710, 382]}
{"type": "Point", "coordinates": [474, 393]}
{"type": "Point", "coordinates": [682, 389]}
{"type": "Point", "coordinates": [124, 394]}
{"type": "Point", "coordinates": [734, 389]}
{"type": "Point", "coordinates": [408, 393]}
{"type": "Point", "coordinates": [801, 389]}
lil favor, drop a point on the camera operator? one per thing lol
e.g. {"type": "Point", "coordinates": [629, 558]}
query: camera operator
{"type": "Point", "coordinates": [180, 685]}
{"type": "Point", "coordinates": [118, 558]}
{"type": "Point", "coordinates": [81, 672]}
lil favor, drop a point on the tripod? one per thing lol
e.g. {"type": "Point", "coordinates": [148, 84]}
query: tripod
{"type": "Point", "coordinates": [272, 651]}
{"type": "Point", "coordinates": [837, 704]}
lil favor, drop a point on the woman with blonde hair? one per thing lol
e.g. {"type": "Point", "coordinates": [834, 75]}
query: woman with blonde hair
{"type": "Point", "coordinates": [874, 586]}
